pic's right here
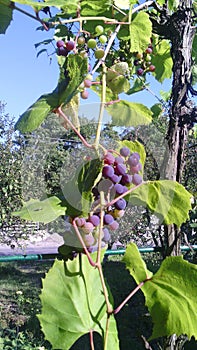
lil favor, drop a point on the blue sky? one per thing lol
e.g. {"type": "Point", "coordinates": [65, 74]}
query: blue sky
{"type": "Point", "coordinates": [24, 77]}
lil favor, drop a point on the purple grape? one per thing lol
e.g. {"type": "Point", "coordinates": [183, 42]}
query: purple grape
{"type": "Point", "coordinates": [106, 235]}
{"type": "Point", "coordinates": [137, 179]}
{"type": "Point", "coordinates": [60, 43]}
{"type": "Point", "coordinates": [108, 171]}
{"type": "Point", "coordinates": [125, 189]}
{"type": "Point", "coordinates": [115, 178]}
{"type": "Point", "coordinates": [136, 169]}
{"type": "Point", "coordinates": [108, 219]}
{"type": "Point", "coordinates": [88, 240]}
{"type": "Point", "coordinates": [120, 204]}
{"type": "Point", "coordinates": [80, 222]}
{"type": "Point", "coordinates": [120, 169]}
{"type": "Point", "coordinates": [105, 185]}
{"type": "Point", "coordinates": [62, 51]}
{"type": "Point", "coordinates": [133, 160]}
{"type": "Point", "coordinates": [109, 158]}
{"type": "Point", "coordinates": [88, 227]}
{"type": "Point", "coordinates": [125, 151]}
{"type": "Point", "coordinates": [94, 219]}
{"type": "Point", "coordinates": [119, 160]}
{"type": "Point", "coordinates": [126, 179]}
{"type": "Point", "coordinates": [114, 226]}
{"type": "Point", "coordinates": [118, 188]}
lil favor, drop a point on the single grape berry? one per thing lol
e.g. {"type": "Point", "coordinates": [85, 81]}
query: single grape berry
{"type": "Point", "coordinates": [62, 51]}
{"type": "Point", "coordinates": [87, 83]}
{"type": "Point", "coordinates": [125, 151]}
{"type": "Point", "coordinates": [136, 62]}
{"type": "Point", "coordinates": [119, 160]}
{"type": "Point", "coordinates": [108, 219]}
{"type": "Point", "coordinates": [81, 41]}
{"type": "Point", "coordinates": [120, 204]}
{"type": "Point", "coordinates": [148, 58]}
{"type": "Point", "coordinates": [118, 188]}
{"type": "Point", "coordinates": [116, 178]}
{"type": "Point", "coordinates": [108, 158]}
{"type": "Point", "coordinates": [84, 94]}
{"type": "Point", "coordinates": [99, 30]}
{"type": "Point", "coordinates": [118, 213]}
{"type": "Point", "coordinates": [114, 226]}
{"type": "Point", "coordinates": [139, 55]}
{"type": "Point", "coordinates": [126, 179]}
{"type": "Point", "coordinates": [95, 220]}
{"type": "Point", "coordinates": [60, 43]}
{"type": "Point", "coordinates": [140, 71]}
{"type": "Point", "coordinates": [133, 160]}
{"type": "Point", "coordinates": [137, 179]}
{"type": "Point", "coordinates": [149, 50]}
{"type": "Point", "coordinates": [80, 221]}
{"type": "Point", "coordinates": [103, 39]}
{"type": "Point", "coordinates": [151, 68]}
{"type": "Point", "coordinates": [136, 169]}
{"type": "Point", "coordinates": [70, 45]}
{"type": "Point", "coordinates": [108, 171]}
{"type": "Point", "coordinates": [99, 54]}
{"type": "Point", "coordinates": [88, 227]}
{"type": "Point", "coordinates": [91, 43]}
{"type": "Point", "coordinates": [88, 240]}
{"type": "Point", "coordinates": [120, 169]}
{"type": "Point", "coordinates": [106, 235]}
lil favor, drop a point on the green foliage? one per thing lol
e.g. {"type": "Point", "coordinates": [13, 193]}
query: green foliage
{"type": "Point", "coordinates": [64, 322]}
{"type": "Point", "coordinates": [44, 211]}
{"type": "Point", "coordinates": [140, 32]}
{"type": "Point", "coordinates": [138, 85]}
{"type": "Point", "coordinates": [76, 68]}
{"type": "Point", "coordinates": [132, 114]}
{"type": "Point", "coordinates": [169, 200]}
{"type": "Point", "coordinates": [169, 293]}
{"type": "Point", "coordinates": [162, 60]}
{"type": "Point", "coordinates": [5, 16]}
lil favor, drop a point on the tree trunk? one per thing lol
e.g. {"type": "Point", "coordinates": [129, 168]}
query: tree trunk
{"type": "Point", "coordinates": [181, 34]}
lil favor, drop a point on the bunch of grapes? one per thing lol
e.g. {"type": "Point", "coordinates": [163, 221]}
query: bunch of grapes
{"type": "Point", "coordinates": [119, 174]}
{"type": "Point", "coordinates": [142, 61]}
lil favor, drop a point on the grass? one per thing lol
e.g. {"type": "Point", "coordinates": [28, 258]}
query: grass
{"type": "Point", "coordinates": [20, 284]}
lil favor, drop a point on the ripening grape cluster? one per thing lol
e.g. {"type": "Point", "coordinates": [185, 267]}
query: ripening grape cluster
{"type": "Point", "coordinates": [142, 61]}
{"type": "Point", "coordinates": [85, 45]}
{"type": "Point", "coordinates": [118, 175]}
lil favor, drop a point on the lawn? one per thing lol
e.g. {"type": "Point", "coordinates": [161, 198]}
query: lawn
{"type": "Point", "coordinates": [20, 284]}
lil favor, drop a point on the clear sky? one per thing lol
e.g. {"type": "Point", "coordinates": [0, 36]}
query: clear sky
{"type": "Point", "coordinates": [25, 77]}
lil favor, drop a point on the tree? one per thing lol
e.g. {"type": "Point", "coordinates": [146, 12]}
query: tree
{"type": "Point", "coordinates": [125, 42]}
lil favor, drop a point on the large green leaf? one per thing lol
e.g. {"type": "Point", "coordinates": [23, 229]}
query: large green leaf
{"type": "Point", "coordinates": [95, 7]}
{"type": "Point", "coordinates": [138, 85]}
{"type": "Point", "coordinates": [5, 16]}
{"type": "Point", "coordinates": [167, 199]}
{"type": "Point", "coordinates": [140, 32]}
{"type": "Point", "coordinates": [126, 113]}
{"type": "Point", "coordinates": [56, 3]}
{"type": "Point", "coordinates": [73, 304]}
{"type": "Point", "coordinates": [77, 193]}
{"type": "Point", "coordinates": [41, 211]}
{"type": "Point", "coordinates": [76, 68]}
{"type": "Point", "coordinates": [162, 60]}
{"type": "Point", "coordinates": [170, 293]}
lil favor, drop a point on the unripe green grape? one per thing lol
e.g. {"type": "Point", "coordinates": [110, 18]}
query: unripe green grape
{"type": "Point", "coordinates": [148, 58]}
{"type": "Point", "coordinates": [103, 39]}
{"type": "Point", "coordinates": [81, 40]}
{"type": "Point", "coordinates": [83, 54]}
{"type": "Point", "coordinates": [99, 30]}
{"type": "Point", "coordinates": [91, 43]}
{"type": "Point", "coordinates": [99, 54]}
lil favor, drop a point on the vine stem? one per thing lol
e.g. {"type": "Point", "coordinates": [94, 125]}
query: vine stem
{"type": "Point", "coordinates": [128, 297]}
{"type": "Point", "coordinates": [102, 107]}
{"type": "Point", "coordinates": [124, 194]}
{"type": "Point", "coordinates": [60, 112]}
{"type": "Point", "coordinates": [91, 339]}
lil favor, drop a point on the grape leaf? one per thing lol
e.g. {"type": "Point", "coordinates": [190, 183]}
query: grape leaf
{"type": "Point", "coordinates": [167, 199]}
{"type": "Point", "coordinates": [5, 16]}
{"type": "Point", "coordinates": [76, 68]}
{"type": "Point", "coordinates": [73, 304]}
{"type": "Point", "coordinates": [119, 84]}
{"type": "Point", "coordinates": [138, 85]}
{"type": "Point", "coordinates": [140, 32]}
{"type": "Point", "coordinates": [126, 113]}
{"type": "Point", "coordinates": [122, 4]}
{"type": "Point", "coordinates": [194, 48]}
{"type": "Point", "coordinates": [44, 211]}
{"type": "Point", "coordinates": [56, 3]}
{"type": "Point", "coordinates": [157, 110]}
{"type": "Point", "coordinates": [170, 293]}
{"type": "Point", "coordinates": [94, 8]}
{"type": "Point", "coordinates": [77, 193]}
{"type": "Point", "coordinates": [162, 60]}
